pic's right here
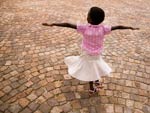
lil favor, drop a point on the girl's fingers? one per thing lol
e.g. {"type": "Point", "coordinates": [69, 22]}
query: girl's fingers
{"type": "Point", "coordinates": [135, 28]}
{"type": "Point", "coordinates": [44, 24]}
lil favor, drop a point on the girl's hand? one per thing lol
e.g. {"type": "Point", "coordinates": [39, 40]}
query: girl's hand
{"type": "Point", "coordinates": [134, 28]}
{"type": "Point", "coordinates": [46, 24]}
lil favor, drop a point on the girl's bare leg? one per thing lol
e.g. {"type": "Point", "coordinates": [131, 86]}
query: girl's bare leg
{"type": "Point", "coordinates": [92, 90]}
{"type": "Point", "coordinates": [91, 85]}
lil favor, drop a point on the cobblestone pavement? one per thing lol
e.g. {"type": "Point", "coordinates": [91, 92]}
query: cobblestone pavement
{"type": "Point", "coordinates": [33, 76]}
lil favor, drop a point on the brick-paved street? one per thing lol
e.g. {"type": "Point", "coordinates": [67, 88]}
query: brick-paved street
{"type": "Point", "coordinates": [33, 76]}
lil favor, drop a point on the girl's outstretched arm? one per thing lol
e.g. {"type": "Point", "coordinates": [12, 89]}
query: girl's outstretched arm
{"type": "Point", "coordinates": [61, 25]}
{"type": "Point", "coordinates": [123, 27]}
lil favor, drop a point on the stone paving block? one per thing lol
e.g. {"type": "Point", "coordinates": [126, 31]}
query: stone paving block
{"type": "Point", "coordinates": [84, 95]}
{"type": "Point", "coordinates": [146, 108]}
{"type": "Point", "coordinates": [50, 79]}
{"type": "Point", "coordinates": [129, 103]}
{"type": "Point", "coordinates": [92, 110]}
{"type": "Point", "coordinates": [109, 92]}
{"type": "Point", "coordinates": [44, 107]}
{"type": "Point", "coordinates": [56, 110]}
{"type": "Point", "coordinates": [28, 91]}
{"type": "Point", "coordinates": [61, 98]}
{"type": "Point", "coordinates": [5, 84]}
{"type": "Point", "coordinates": [56, 91]}
{"type": "Point", "coordinates": [1, 102]}
{"type": "Point", "coordinates": [134, 91]}
{"type": "Point", "coordinates": [42, 76]}
{"type": "Point", "coordinates": [118, 109]}
{"type": "Point", "coordinates": [8, 63]}
{"type": "Point", "coordinates": [52, 102]}
{"type": "Point", "coordinates": [1, 93]}
{"type": "Point", "coordinates": [14, 72]}
{"type": "Point", "coordinates": [80, 88]}
{"type": "Point", "coordinates": [112, 86]}
{"type": "Point", "coordinates": [85, 102]}
{"type": "Point", "coordinates": [34, 77]}
{"type": "Point", "coordinates": [35, 86]}
{"type": "Point", "coordinates": [102, 92]}
{"type": "Point", "coordinates": [14, 92]}
{"type": "Point", "coordinates": [26, 110]}
{"type": "Point", "coordinates": [40, 100]}
{"type": "Point", "coordinates": [32, 97]}
{"type": "Point", "coordinates": [6, 111]}
{"type": "Point", "coordinates": [58, 84]}
{"type": "Point", "coordinates": [66, 82]}
{"type": "Point", "coordinates": [35, 73]}
{"type": "Point", "coordinates": [3, 107]}
{"type": "Point", "coordinates": [143, 92]}
{"type": "Point", "coordinates": [40, 91]}
{"type": "Point", "coordinates": [38, 111]}
{"type": "Point", "coordinates": [84, 110]}
{"type": "Point", "coordinates": [113, 100]}
{"type": "Point", "coordinates": [70, 96]}
{"type": "Point", "coordinates": [7, 89]}
{"type": "Point", "coordinates": [125, 95]}
{"type": "Point", "coordinates": [49, 86]}
{"type": "Point", "coordinates": [100, 108]}
{"type": "Point", "coordinates": [121, 101]}
{"type": "Point", "coordinates": [65, 89]}
{"type": "Point", "coordinates": [76, 104]}
{"type": "Point", "coordinates": [48, 95]}
{"type": "Point", "coordinates": [23, 102]}
{"type": "Point", "coordinates": [73, 88]}
{"type": "Point", "coordinates": [75, 82]}
{"type": "Point", "coordinates": [104, 99]}
{"type": "Point", "coordinates": [138, 105]}
{"type": "Point", "coordinates": [33, 106]}
{"type": "Point", "coordinates": [129, 83]}
{"type": "Point", "coordinates": [109, 108]}
{"type": "Point", "coordinates": [6, 76]}
{"type": "Point", "coordinates": [43, 82]}
{"type": "Point", "coordinates": [77, 95]}
{"type": "Point", "coordinates": [138, 111]}
{"type": "Point", "coordinates": [94, 100]}
{"type": "Point", "coordinates": [15, 84]}
{"type": "Point", "coordinates": [67, 77]}
{"type": "Point", "coordinates": [128, 110]}
{"type": "Point", "coordinates": [14, 108]}
{"type": "Point", "coordinates": [66, 107]}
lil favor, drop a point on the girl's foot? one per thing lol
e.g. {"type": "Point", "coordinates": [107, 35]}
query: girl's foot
{"type": "Point", "coordinates": [98, 85]}
{"type": "Point", "coordinates": [92, 91]}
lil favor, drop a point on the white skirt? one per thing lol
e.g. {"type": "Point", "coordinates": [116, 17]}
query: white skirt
{"type": "Point", "coordinates": [86, 67]}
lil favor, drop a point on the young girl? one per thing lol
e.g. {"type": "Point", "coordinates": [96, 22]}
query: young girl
{"type": "Point", "coordinates": [90, 66]}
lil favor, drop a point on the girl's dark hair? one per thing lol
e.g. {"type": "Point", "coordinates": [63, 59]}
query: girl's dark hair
{"type": "Point", "coordinates": [97, 15]}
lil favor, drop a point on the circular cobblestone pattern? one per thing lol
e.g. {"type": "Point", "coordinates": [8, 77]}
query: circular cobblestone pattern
{"type": "Point", "coordinates": [33, 76]}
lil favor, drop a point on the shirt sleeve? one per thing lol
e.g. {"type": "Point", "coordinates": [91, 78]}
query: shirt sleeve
{"type": "Point", "coordinates": [107, 29]}
{"type": "Point", "coordinates": [81, 28]}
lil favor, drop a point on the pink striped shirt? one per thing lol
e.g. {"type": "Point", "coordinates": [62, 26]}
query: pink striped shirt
{"type": "Point", "coordinates": [93, 37]}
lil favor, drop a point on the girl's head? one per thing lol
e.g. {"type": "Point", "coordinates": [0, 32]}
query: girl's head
{"type": "Point", "coordinates": [96, 15]}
